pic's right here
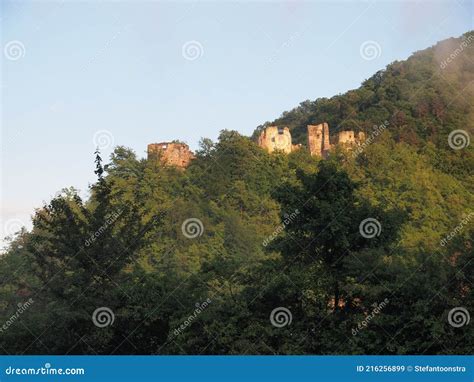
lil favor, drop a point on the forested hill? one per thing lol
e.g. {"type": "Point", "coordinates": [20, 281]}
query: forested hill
{"type": "Point", "coordinates": [424, 98]}
{"type": "Point", "coordinates": [246, 252]}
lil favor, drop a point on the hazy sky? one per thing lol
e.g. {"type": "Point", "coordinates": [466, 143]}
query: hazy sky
{"type": "Point", "coordinates": [152, 71]}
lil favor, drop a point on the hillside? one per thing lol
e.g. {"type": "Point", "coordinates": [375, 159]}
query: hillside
{"type": "Point", "coordinates": [423, 98]}
{"type": "Point", "coordinates": [245, 252]}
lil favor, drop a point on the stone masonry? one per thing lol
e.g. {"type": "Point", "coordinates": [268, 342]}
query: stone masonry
{"type": "Point", "coordinates": [170, 154]}
{"type": "Point", "coordinates": [272, 138]}
{"type": "Point", "coordinates": [349, 138]}
{"type": "Point", "coordinates": [318, 139]}
{"type": "Point", "coordinates": [276, 138]}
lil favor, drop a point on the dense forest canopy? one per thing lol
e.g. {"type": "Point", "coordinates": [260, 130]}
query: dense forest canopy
{"type": "Point", "coordinates": [244, 252]}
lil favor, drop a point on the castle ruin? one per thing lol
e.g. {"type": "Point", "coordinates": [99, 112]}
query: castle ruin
{"type": "Point", "coordinates": [170, 154]}
{"type": "Point", "coordinates": [276, 138]}
{"type": "Point", "coordinates": [349, 138]}
{"type": "Point", "coordinates": [272, 138]}
{"type": "Point", "coordinates": [318, 139]}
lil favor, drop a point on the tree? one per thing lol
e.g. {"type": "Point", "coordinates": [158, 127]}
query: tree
{"type": "Point", "coordinates": [329, 223]}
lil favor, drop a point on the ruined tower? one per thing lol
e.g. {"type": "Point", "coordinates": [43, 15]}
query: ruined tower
{"type": "Point", "coordinates": [318, 140]}
{"type": "Point", "coordinates": [170, 154]}
{"type": "Point", "coordinates": [275, 138]}
{"type": "Point", "coordinates": [349, 138]}
{"type": "Point", "coordinates": [346, 138]}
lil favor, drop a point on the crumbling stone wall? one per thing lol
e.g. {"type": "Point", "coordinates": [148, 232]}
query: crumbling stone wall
{"type": "Point", "coordinates": [271, 139]}
{"type": "Point", "coordinates": [349, 138]}
{"type": "Point", "coordinates": [346, 138]}
{"type": "Point", "coordinates": [315, 139]}
{"type": "Point", "coordinates": [170, 154]}
{"type": "Point", "coordinates": [318, 140]}
{"type": "Point", "coordinates": [275, 138]}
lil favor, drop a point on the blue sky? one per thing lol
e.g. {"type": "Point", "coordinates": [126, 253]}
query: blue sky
{"type": "Point", "coordinates": [153, 71]}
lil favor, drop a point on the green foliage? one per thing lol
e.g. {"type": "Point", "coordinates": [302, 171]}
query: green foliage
{"type": "Point", "coordinates": [278, 231]}
{"type": "Point", "coordinates": [422, 100]}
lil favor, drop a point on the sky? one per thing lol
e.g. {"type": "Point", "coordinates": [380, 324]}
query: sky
{"type": "Point", "coordinates": [81, 74]}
